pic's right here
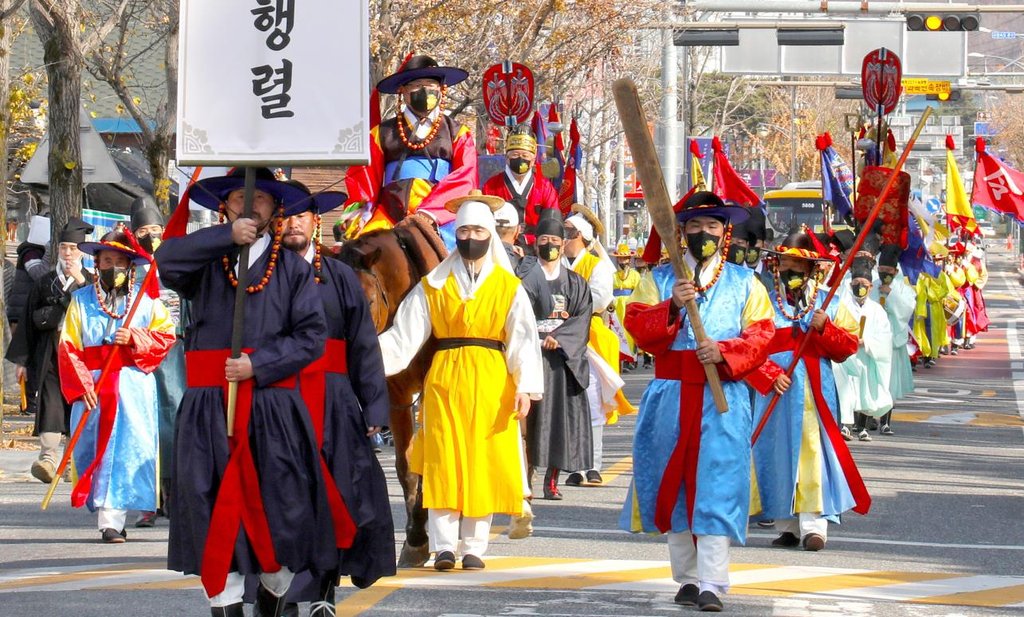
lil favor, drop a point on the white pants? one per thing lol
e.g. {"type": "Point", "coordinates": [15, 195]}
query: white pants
{"type": "Point", "coordinates": [276, 583]}
{"type": "Point", "coordinates": [445, 526]}
{"type": "Point", "coordinates": [597, 434]}
{"type": "Point", "coordinates": [808, 522]}
{"type": "Point", "coordinates": [705, 565]}
{"type": "Point", "coordinates": [111, 518]}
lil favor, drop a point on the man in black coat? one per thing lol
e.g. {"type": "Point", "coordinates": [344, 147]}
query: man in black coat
{"type": "Point", "coordinates": [33, 347]}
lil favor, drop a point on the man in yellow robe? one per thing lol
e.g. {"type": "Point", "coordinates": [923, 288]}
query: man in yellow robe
{"type": "Point", "coordinates": [625, 281]}
{"type": "Point", "coordinates": [480, 383]}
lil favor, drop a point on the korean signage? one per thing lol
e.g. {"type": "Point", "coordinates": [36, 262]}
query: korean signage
{"type": "Point", "coordinates": [273, 82]}
{"type": "Point", "coordinates": [913, 86]}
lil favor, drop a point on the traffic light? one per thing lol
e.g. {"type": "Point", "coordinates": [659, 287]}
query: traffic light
{"type": "Point", "coordinates": [938, 22]}
{"type": "Point", "coordinates": [945, 97]}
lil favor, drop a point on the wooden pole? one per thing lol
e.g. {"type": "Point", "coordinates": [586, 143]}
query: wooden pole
{"type": "Point", "coordinates": [648, 168]}
{"type": "Point", "coordinates": [238, 320]}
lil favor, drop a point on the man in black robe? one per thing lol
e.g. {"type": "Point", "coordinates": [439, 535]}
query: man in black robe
{"type": "Point", "coordinates": [33, 348]}
{"type": "Point", "coordinates": [352, 401]}
{"type": "Point", "coordinates": [558, 431]}
{"type": "Point", "coordinates": [255, 502]}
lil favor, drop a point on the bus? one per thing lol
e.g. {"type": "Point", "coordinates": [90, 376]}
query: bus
{"type": "Point", "coordinates": [795, 205]}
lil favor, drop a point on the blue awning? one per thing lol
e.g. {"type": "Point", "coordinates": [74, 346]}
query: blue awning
{"type": "Point", "coordinates": [118, 125]}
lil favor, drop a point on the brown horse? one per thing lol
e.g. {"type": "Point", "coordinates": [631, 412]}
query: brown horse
{"type": "Point", "coordinates": [389, 264]}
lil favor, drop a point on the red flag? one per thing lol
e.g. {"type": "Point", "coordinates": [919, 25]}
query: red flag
{"type": "Point", "coordinates": [573, 159]}
{"type": "Point", "coordinates": [997, 186]}
{"type": "Point", "coordinates": [177, 226]}
{"type": "Point", "coordinates": [727, 183]}
{"type": "Point", "coordinates": [652, 250]}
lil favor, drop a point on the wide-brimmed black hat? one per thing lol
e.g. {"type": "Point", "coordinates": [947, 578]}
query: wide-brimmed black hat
{"type": "Point", "coordinates": [799, 245]}
{"type": "Point", "coordinates": [212, 192]}
{"type": "Point", "coordinates": [144, 212]}
{"type": "Point", "coordinates": [113, 241]}
{"type": "Point", "coordinates": [706, 203]}
{"type": "Point", "coordinates": [550, 223]}
{"type": "Point", "coordinates": [889, 256]}
{"type": "Point", "coordinates": [420, 67]}
{"type": "Point", "coordinates": [324, 201]}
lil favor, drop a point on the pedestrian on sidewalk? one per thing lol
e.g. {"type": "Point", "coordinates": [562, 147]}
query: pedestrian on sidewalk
{"type": "Point", "coordinates": [691, 463]}
{"type": "Point", "coordinates": [116, 455]}
{"type": "Point", "coordinates": [486, 371]}
{"type": "Point", "coordinates": [33, 347]}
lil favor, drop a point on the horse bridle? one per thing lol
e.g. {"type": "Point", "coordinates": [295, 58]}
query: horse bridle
{"type": "Point", "coordinates": [380, 291]}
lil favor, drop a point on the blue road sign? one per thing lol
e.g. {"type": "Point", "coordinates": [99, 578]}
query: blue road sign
{"type": "Point", "coordinates": [1003, 35]}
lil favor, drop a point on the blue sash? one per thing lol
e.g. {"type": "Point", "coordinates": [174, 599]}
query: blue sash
{"type": "Point", "coordinates": [421, 167]}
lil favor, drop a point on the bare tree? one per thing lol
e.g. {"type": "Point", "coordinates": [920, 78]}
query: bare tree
{"type": "Point", "coordinates": [69, 32]}
{"type": "Point", "coordinates": [145, 27]}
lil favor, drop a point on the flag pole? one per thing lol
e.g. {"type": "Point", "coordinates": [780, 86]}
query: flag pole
{"type": "Point", "coordinates": [865, 230]}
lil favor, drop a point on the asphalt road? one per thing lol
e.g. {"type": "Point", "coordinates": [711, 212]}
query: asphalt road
{"type": "Point", "coordinates": [944, 536]}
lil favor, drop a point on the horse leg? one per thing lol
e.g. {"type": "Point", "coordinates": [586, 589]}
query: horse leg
{"type": "Point", "coordinates": [415, 549]}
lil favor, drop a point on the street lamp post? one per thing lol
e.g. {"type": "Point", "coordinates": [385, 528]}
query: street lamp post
{"type": "Point", "coordinates": [762, 133]}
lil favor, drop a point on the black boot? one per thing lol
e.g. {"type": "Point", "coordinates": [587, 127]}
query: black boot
{"type": "Point", "coordinates": [324, 604]}
{"type": "Point", "coordinates": [267, 604]}
{"type": "Point", "coordinates": [551, 485]}
{"type": "Point", "coordinates": [231, 610]}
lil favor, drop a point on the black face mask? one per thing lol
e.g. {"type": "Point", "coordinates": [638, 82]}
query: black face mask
{"type": "Point", "coordinates": [518, 165]}
{"type": "Point", "coordinates": [471, 248]}
{"type": "Point", "coordinates": [702, 245]}
{"type": "Point", "coordinates": [424, 100]}
{"type": "Point", "coordinates": [737, 254]}
{"type": "Point", "coordinates": [860, 291]}
{"type": "Point", "coordinates": [886, 278]}
{"type": "Point", "coordinates": [151, 242]}
{"type": "Point", "coordinates": [753, 256]}
{"type": "Point", "coordinates": [792, 279]}
{"type": "Point", "coordinates": [549, 252]}
{"type": "Point", "coordinates": [111, 278]}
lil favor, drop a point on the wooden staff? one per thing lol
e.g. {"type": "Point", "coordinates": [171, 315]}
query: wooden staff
{"type": "Point", "coordinates": [645, 158]}
{"type": "Point", "coordinates": [238, 320]}
{"type": "Point", "coordinates": [865, 230]}
{"type": "Point", "coordinates": [104, 374]}
{"type": "Point", "coordinates": [860, 331]}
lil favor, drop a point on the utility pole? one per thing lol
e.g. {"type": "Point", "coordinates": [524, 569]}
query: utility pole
{"type": "Point", "coordinates": [669, 106]}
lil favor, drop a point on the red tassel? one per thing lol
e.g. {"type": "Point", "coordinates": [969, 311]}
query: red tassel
{"type": "Point", "coordinates": [151, 285]}
{"type": "Point", "coordinates": [716, 144]}
{"type": "Point", "coordinates": [828, 139]}
{"type": "Point", "coordinates": [695, 149]}
{"type": "Point", "coordinates": [819, 143]}
{"type": "Point", "coordinates": [949, 143]}
{"type": "Point", "coordinates": [979, 145]}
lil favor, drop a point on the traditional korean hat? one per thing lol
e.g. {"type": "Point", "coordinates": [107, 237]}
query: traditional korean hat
{"type": "Point", "coordinates": [421, 67]}
{"type": "Point", "coordinates": [113, 241]}
{"type": "Point", "coordinates": [75, 230]}
{"type": "Point", "coordinates": [622, 250]}
{"type": "Point", "coordinates": [212, 192]}
{"type": "Point", "coordinates": [862, 268]}
{"type": "Point", "coordinates": [144, 211]}
{"type": "Point", "coordinates": [706, 203]}
{"type": "Point", "coordinates": [550, 224]}
{"type": "Point", "coordinates": [492, 202]}
{"type": "Point", "coordinates": [521, 138]}
{"type": "Point", "coordinates": [475, 210]}
{"type": "Point", "coordinates": [584, 219]}
{"type": "Point", "coordinates": [321, 202]}
{"type": "Point", "coordinates": [889, 255]}
{"type": "Point", "coordinates": [798, 245]}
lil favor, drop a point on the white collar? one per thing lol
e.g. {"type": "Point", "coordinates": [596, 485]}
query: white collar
{"type": "Point", "coordinates": [421, 126]}
{"type": "Point", "coordinates": [310, 253]}
{"type": "Point", "coordinates": [256, 250]}
{"type": "Point", "coordinates": [520, 187]}
{"type": "Point", "coordinates": [553, 275]}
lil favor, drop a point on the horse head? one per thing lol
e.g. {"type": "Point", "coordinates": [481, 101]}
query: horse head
{"type": "Point", "coordinates": [383, 272]}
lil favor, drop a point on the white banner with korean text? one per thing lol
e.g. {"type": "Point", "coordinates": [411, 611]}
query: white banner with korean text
{"type": "Point", "coordinates": [273, 82]}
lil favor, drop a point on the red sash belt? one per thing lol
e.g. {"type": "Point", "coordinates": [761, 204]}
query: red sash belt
{"type": "Point", "coordinates": [785, 341]}
{"type": "Point", "coordinates": [313, 385]}
{"type": "Point", "coordinates": [95, 357]}
{"type": "Point", "coordinates": [681, 366]}
{"type": "Point", "coordinates": [239, 502]}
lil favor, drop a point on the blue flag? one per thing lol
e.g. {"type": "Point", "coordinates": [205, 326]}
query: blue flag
{"type": "Point", "coordinates": [915, 259]}
{"type": "Point", "coordinates": [833, 189]}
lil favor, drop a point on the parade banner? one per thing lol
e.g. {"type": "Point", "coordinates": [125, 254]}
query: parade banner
{"type": "Point", "coordinates": [272, 81]}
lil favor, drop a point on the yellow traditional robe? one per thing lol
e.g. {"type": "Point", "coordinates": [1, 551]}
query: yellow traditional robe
{"type": "Point", "coordinates": [625, 281]}
{"type": "Point", "coordinates": [468, 449]}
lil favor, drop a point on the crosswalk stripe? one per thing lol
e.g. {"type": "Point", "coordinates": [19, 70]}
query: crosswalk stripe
{"type": "Point", "coordinates": [569, 574]}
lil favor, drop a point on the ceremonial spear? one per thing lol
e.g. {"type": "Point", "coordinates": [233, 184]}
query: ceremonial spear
{"type": "Point", "coordinates": [865, 230]}
{"type": "Point", "coordinates": [645, 158]}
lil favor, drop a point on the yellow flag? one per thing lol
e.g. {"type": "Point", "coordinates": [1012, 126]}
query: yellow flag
{"type": "Point", "coordinates": [958, 205]}
{"type": "Point", "coordinates": [697, 175]}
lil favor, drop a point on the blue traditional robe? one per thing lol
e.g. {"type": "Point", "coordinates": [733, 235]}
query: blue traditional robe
{"type": "Point", "coordinates": [899, 305]}
{"type": "Point", "coordinates": [679, 429]}
{"type": "Point", "coordinates": [124, 433]}
{"type": "Point", "coordinates": [801, 462]}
